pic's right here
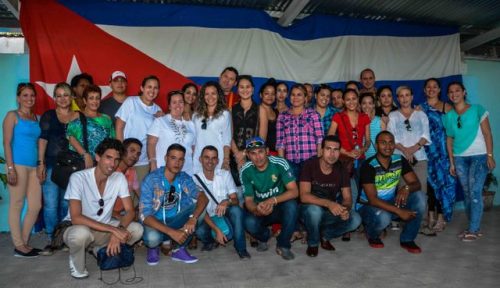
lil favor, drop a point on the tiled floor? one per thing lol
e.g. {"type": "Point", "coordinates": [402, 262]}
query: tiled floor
{"type": "Point", "coordinates": [445, 262]}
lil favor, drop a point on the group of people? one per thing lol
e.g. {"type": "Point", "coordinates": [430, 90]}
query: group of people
{"type": "Point", "coordinates": [219, 165]}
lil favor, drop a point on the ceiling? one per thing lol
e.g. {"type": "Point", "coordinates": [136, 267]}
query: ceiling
{"type": "Point", "coordinates": [478, 20]}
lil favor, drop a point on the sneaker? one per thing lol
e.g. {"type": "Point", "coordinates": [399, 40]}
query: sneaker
{"type": "Point", "coordinates": [262, 246]}
{"type": "Point", "coordinates": [395, 225]}
{"type": "Point", "coordinates": [244, 255]}
{"type": "Point", "coordinates": [411, 247]}
{"type": "Point", "coordinates": [74, 273]}
{"type": "Point", "coordinates": [153, 256]}
{"type": "Point", "coordinates": [21, 254]}
{"type": "Point", "coordinates": [47, 251]}
{"type": "Point", "coordinates": [376, 243]}
{"type": "Point", "coordinates": [285, 253]}
{"type": "Point", "coordinates": [181, 255]}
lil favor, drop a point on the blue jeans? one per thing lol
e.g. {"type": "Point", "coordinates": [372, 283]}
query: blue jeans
{"type": "Point", "coordinates": [284, 213]}
{"type": "Point", "coordinates": [319, 220]}
{"type": "Point", "coordinates": [376, 219]}
{"type": "Point", "coordinates": [471, 172]}
{"type": "Point", "coordinates": [235, 215]}
{"type": "Point", "coordinates": [55, 207]}
{"type": "Point", "coordinates": [153, 238]}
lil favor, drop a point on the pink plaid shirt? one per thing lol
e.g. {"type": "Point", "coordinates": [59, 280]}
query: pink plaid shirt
{"type": "Point", "coordinates": [299, 135]}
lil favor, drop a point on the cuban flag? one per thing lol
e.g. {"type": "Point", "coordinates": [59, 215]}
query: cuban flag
{"type": "Point", "coordinates": [183, 43]}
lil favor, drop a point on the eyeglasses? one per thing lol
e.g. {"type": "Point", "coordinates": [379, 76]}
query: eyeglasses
{"type": "Point", "coordinates": [204, 124]}
{"type": "Point", "coordinates": [101, 204]}
{"type": "Point", "coordinates": [354, 133]}
{"type": "Point", "coordinates": [408, 126]}
{"type": "Point", "coordinates": [459, 122]}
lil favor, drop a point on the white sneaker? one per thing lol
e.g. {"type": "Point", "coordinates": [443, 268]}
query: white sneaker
{"type": "Point", "coordinates": [74, 273]}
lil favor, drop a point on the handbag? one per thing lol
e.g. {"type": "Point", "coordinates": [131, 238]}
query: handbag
{"type": "Point", "coordinates": [68, 162]}
{"type": "Point", "coordinates": [122, 260]}
{"type": "Point", "coordinates": [219, 221]}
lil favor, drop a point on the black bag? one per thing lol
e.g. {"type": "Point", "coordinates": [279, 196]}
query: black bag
{"type": "Point", "coordinates": [124, 259]}
{"type": "Point", "coordinates": [68, 161]}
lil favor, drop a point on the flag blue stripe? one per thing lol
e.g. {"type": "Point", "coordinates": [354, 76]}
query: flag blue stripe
{"type": "Point", "coordinates": [312, 27]}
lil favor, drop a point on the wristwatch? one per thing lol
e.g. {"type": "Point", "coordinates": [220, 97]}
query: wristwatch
{"type": "Point", "coordinates": [193, 217]}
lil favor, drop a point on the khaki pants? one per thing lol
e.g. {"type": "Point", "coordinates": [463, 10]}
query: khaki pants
{"type": "Point", "coordinates": [79, 237]}
{"type": "Point", "coordinates": [27, 187]}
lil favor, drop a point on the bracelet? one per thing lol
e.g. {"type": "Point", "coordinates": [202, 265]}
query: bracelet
{"type": "Point", "coordinates": [83, 153]}
{"type": "Point", "coordinates": [10, 167]}
{"type": "Point", "coordinates": [152, 159]}
{"type": "Point", "coordinates": [490, 155]}
{"type": "Point", "coordinates": [275, 201]}
{"type": "Point", "coordinates": [39, 162]}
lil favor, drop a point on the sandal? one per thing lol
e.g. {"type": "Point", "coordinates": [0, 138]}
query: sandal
{"type": "Point", "coordinates": [440, 225]}
{"type": "Point", "coordinates": [297, 235]}
{"type": "Point", "coordinates": [470, 237]}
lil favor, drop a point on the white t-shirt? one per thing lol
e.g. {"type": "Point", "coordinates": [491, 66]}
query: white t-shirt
{"type": "Point", "coordinates": [170, 131]}
{"type": "Point", "coordinates": [218, 134]}
{"type": "Point", "coordinates": [137, 117]}
{"type": "Point", "coordinates": [221, 187]}
{"type": "Point", "coordinates": [419, 128]}
{"type": "Point", "coordinates": [83, 186]}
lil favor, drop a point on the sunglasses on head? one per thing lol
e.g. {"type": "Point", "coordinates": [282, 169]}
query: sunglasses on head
{"type": "Point", "coordinates": [204, 124]}
{"type": "Point", "coordinates": [171, 195]}
{"type": "Point", "coordinates": [254, 144]}
{"type": "Point", "coordinates": [101, 209]}
{"type": "Point", "coordinates": [459, 122]}
{"type": "Point", "coordinates": [408, 126]}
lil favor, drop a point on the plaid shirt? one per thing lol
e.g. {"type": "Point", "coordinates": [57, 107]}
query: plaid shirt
{"type": "Point", "coordinates": [299, 136]}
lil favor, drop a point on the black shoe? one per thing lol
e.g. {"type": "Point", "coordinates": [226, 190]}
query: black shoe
{"type": "Point", "coordinates": [244, 254]}
{"type": "Point", "coordinates": [346, 237]}
{"type": "Point", "coordinates": [21, 254]}
{"type": "Point", "coordinates": [312, 251]}
{"type": "Point", "coordinates": [208, 246]}
{"type": "Point", "coordinates": [254, 243]}
{"type": "Point", "coordinates": [325, 244]}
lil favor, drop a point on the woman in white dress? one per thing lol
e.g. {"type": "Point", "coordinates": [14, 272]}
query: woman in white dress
{"type": "Point", "coordinates": [212, 122]}
{"type": "Point", "coordinates": [170, 129]}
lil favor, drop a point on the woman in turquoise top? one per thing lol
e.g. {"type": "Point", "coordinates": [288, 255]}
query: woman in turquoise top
{"type": "Point", "coordinates": [99, 126]}
{"type": "Point", "coordinates": [470, 146]}
{"type": "Point", "coordinates": [440, 184]}
{"type": "Point", "coordinates": [20, 142]}
{"type": "Point", "coordinates": [367, 101]}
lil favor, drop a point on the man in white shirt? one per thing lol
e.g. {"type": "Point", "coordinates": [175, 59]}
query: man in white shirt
{"type": "Point", "coordinates": [92, 194]}
{"type": "Point", "coordinates": [223, 189]}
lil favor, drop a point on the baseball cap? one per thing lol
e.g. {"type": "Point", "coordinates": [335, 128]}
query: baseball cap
{"type": "Point", "coordinates": [255, 142]}
{"type": "Point", "coordinates": [117, 74]}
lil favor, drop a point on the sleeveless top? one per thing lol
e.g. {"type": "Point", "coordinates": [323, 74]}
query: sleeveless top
{"type": "Point", "coordinates": [25, 142]}
{"type": "Point", "coordinates": [375, 128]}
{"type": "Point", "coordinates": [271, 132]}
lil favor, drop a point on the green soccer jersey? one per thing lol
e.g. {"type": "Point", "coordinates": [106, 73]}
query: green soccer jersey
{"type": "Point", "coordinates": [262, 185]}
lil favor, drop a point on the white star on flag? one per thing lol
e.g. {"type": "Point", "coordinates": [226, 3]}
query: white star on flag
{"type": "Point", "coordinates": [74, 70]}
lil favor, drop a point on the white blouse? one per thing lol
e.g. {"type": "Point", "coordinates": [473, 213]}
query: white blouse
{"type": "Point", "coordinates": [409, 135]}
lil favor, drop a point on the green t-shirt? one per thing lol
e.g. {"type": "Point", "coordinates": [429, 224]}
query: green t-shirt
{"type": "Point", "coordinates": [469, 127]}
{"type": "Point", "coordinates": [262, 185]}
{"type": "Point", "coordinates": [98, 128]}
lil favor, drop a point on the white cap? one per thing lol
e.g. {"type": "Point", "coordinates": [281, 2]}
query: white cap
{"type": "Point", "coordinates": [117, 74]}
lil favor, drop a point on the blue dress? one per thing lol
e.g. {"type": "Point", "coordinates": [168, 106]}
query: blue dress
{"type": "Point", "coordinates": [438, 166]}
